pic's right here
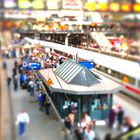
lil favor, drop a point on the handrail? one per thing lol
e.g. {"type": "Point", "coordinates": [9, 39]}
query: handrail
{"type": "Point", "coordinates": [58, 115]}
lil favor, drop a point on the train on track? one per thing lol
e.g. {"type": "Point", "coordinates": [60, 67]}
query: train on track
{"type": "Point", "coordinates": [123, 71]}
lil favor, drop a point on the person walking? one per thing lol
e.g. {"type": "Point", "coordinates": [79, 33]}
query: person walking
{"type": "Point", "coordinates": [21, 120]}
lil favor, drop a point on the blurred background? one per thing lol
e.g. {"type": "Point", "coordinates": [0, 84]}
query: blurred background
{"type": "Point", "coordinates": [122, 16]}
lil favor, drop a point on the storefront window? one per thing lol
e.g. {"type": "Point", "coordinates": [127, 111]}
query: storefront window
{"type": "Point", "coordinates": [100, 102]}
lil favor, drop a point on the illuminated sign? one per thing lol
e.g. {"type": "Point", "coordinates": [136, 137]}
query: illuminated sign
{"type": "Point", "coordinates": [38, 4]}
{"type": "Point", "coordinates": [126, 7]}
{"type": "Point", "coordinates": [52, 4]}
{"type": "Point", "coordinates": [115, 7]}
{"type": "Point", "coordinates": [34, 4]}
{"type": "Point", "coordinates": [9, 3]}
{"type": "Point", "coordinates": [102, 6]}
{"type": "Point", "coordinates": [90, 6]}
{"type": "Point", "coordinates": [136, 7]}
{"type": "Point", "coordinates": [72, 4]}
{"type": "Point", "coordinates": [24, 4]}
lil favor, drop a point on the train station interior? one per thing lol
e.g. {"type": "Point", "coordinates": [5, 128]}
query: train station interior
{"type": "Point", "coordinates": [69, 70]}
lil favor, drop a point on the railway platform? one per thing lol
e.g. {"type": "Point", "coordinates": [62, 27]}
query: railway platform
{"type": "Point", "coordinates": [41, 126]}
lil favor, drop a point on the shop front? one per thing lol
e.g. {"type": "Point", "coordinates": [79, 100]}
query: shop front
{"type": "Point", "coordinates": [75, 88]}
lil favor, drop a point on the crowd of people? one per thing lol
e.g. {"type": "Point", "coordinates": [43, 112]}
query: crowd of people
{"type": "Point", "coordinates": [86, 128]}
{"type": "Point", "coordinates": [83, 130]}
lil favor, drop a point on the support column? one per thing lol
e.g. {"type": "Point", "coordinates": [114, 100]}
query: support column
{"type": "Point", "coordinates": [79, 109]}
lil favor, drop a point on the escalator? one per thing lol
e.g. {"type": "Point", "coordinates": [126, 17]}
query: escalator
{"type": "Point", "coordinates": [101, 39]}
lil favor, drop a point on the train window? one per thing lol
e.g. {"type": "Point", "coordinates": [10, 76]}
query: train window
{"type": "Point", "coordinates": [128, 79]}
{"type": "Point", "coordinates": [132, 80]}
{"type": "Point", "coordinates": [103, 69]}
{"type": "Point", "coordinates": [118, 75]}
{"type": "Point", "coordinates": [115, 74]}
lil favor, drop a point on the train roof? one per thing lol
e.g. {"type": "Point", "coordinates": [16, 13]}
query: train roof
{"type": "Point", "coordinates": [117, 64]}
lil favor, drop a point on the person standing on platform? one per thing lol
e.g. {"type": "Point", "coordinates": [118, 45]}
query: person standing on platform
{"type": "Point", "coordinates": [40, 99]}
{"type": "Point", "coordinates": [9, 81]}
{"type": "Point", "coordinates": [16, 65]}
{"type": "Point", "coordinates": [22, 80]}
{"type": "Point", "coordinates": [89, 133]}
{"type": "Point", "coordinates": [47, 106]}
{"type": "Point", "coordinates": [111, 117]}
{"type": "Point", "coordinates": [21, 120]}
{"type": "Point", "coordinates": [15, 82]}
{"type": "Point", "coordinates": [31, 87]}
{"type": "Point", "coordinates": [120, 117]}
{"type": "Point", "coordinates": [4, 65]}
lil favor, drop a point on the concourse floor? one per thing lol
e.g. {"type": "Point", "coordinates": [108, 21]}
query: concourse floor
{"type": "Point", "coordinates": [41, 126]}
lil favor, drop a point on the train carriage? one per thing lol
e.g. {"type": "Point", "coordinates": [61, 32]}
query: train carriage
{"type": "Point", "coordinates": [124, 71]}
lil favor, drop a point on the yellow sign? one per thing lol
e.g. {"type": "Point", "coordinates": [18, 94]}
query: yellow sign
{"type": "Point", "coordinates": [126, 7]}
{"type": "Point", "coordinates": [114, 7]}
{"type": "Point", "coordinates": [24, 4]}
{"type": "Point", "coordinates": [136, 7]}
{"type": "Point", "coordinates": [90, 6]}
{"type": "Point", "coordinates": [49, 82]}
{"type": "Point", "coordinates": [102, 6]}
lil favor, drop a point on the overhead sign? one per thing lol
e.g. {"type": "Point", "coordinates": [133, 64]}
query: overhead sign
{"type": "Point", "coordinates": [31, 65]}
{"type": "Point", "coordinates": [87, 64]}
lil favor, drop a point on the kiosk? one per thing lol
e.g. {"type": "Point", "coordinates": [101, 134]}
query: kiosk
{"type": "Point", "coordinates": [75, 86]}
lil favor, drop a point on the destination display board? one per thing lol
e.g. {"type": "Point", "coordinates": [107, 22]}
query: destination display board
{"type": "Point", "coordinates": [31, 65]}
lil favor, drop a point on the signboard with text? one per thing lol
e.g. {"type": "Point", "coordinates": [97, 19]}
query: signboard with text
{"type": "Point", "coordinates": [31, 65]}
